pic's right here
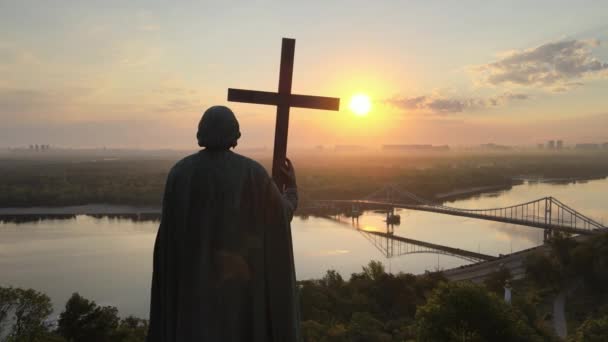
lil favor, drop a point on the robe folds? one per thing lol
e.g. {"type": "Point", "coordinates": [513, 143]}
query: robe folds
{"type": "Point", "coordinates": [223, 256]}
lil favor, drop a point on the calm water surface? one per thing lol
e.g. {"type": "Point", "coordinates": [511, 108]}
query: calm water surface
{"type": "Point", "coordinates": [110, 260]}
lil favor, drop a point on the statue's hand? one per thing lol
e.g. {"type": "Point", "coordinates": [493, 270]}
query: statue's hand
{"type": "Point", "coordinates": [289, 173]}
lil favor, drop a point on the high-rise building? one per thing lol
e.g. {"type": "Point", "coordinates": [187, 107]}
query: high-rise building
{"type": "Point", "coordinates": [560, 144]}
{"type": "Point", "coordinates": [551, 144]}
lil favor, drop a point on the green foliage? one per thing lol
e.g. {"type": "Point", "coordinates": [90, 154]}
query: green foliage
{"type": "Point", "coordinates": [313, 331]}
{"type": "Point", "coordinates": [592, 330]}
{"type": "Point", "coordinates": [8, 298]}
{"type": "Point", "coordinates": [374, 270]}
{"type": "Point", "coordinates": [131, 329]}
{"type": "Point", "coordinates": [24, 318]}
{"type": "Point", "coordinates": [562, 246]}
{"type": "Point", "coordinates": [543, 270]}
{"type": "Point", "coordinates": [25, 312]}
{"type": "Point", "coordinates": [84, 320]}
{"type": "Point", "coordinates": [31, 310]}
{"type": "Point", "coordinates": [569, 259]}
{"type": "Point", "coordinates": [582, 265]}
{"type": "Point", "coordinates": [467, 312]}
{"type": "Point", "coordinates": [364, 327]}
{"type": "Point", "coordinates": [590, 260]}
{"type": "Point", "coordinates": [355, 310]}
{"type": "Point", "coordinates": [104, 178]}
{"type": "Point", "coordinates": [496, 281]}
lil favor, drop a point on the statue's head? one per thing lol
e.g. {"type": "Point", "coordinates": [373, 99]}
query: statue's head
{"type": "Point", "coordinates": [218, 129]}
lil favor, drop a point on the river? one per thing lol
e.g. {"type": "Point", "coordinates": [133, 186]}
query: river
{"type": "Point", "coordinates": [110, 260]}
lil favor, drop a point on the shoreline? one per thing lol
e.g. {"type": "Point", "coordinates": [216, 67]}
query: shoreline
{"type": "Point", "coordinates": [120, 209]}
{"type": "Point", "coordinates": [467, 193]}
{"type": "Point", "coordinates": [102, 209]}
{"type": "Point", "coordinates": [85, 209]}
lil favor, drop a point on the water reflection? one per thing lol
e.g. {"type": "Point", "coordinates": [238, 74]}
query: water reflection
{"type": "Point", "coordinates": [34, 218]}
{"type": "Point", "coordinates": [109, 258]}
{"type": "Point", "coordinates": [30, 218]}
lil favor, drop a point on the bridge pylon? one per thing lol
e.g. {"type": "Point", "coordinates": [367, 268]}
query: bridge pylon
{"type": "Point", "coordinates": [548, 232]}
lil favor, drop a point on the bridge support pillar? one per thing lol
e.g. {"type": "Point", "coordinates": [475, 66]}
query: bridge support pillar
{"type": "Point", "coordinates": [355, 213]}
{"type": "Point", "coordinates": [547, 234]}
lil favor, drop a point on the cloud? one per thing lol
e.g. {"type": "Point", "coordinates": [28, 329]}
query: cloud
{"type": "Point", "coordinates": [19, 102]}
{"type": "Point", "coordinates": [507, 97]}
{"type": "Point", "coordinates": [28, 104]}
{"type": "Point", "coordinates": [434, 104]}
{"type": "Point", "coordinates": [437, 104]}
{"type": "Point", "coordinates": [555, 65]}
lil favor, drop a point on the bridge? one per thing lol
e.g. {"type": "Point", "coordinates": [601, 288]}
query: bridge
{"type": "Point", "coordinates": [546, 213]}
{"type": "Point", "coordinates": [391, 245]}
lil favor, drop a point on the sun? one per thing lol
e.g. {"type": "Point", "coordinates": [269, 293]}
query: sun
{"type": "Point", "coordinates": [360, 104]}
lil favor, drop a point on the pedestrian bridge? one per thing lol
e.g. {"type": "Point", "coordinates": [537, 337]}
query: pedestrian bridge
{"type": "Point", "coordinates": [546, 213]}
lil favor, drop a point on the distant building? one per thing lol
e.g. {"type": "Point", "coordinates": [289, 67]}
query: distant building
{"type": "Point", "coordinates": [411, 148]}
{"type": "Point", "coordinates": [551, 144]}
{"type": "Point", "coordinates": [495, 147]}
{"type": "Point", "coordinates": [541, 146]}
{"type": "Point", "coordinates": [560, 144]}
{"type": "Point", "coordinates": [605, 145]}
{"type": "Point", "coordinates": [349, 147]}
{"type": "Point", "coordinates": [587, 147]}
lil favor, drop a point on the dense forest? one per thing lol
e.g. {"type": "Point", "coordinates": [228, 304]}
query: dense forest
{"type": "Point", "coordinates": [374, 305]}
{"type": "Point", "coordinates": [67, 180]}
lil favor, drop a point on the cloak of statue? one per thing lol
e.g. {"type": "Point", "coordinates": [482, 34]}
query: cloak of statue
{"type": "Point", "coordinates": [223, 257]}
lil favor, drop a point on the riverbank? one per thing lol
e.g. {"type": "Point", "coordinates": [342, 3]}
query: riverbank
{"type": "Point", "coordinates": [87, 209]}
{"type": "Point", "coordinates": [101, 209]}
{"type": "Point", "coordinates": [459, 194]}
{"type": "Point", "coordinates": [140, 182]}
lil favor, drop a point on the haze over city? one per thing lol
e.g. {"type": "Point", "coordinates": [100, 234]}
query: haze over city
{"type": "Point", "coordinates": [139, 75]}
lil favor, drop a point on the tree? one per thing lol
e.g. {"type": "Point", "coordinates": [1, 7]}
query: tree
{"type": "Point", "coordinates": [599, 264]}
{"type": "Point", "coordinates": [542, 269]}
{"type": "Point", "coordinates": [31, 311]}
{"type": "Point", "coordinates": [561, 247]}
{"type": "Point", "coordinates": [332, 280]}
{"type": "Point", "coordinates": [8, 298]}
{"type": "Point", "coordinates": [364, 327]}
{"type": "Point", "coordinates": [25, 312]}
{"type": "Point", "coordinates": [462, 311]}
{"type": "Point", "coordinates": [496, 281]}
{"type": "Point", "coordinates": [312, 331]}
{"type": "Point", "coordinates": [374, 270]}
{"type": "Point", "coordinates": [84, 320]}
{"type": "Point", "coordinates": [131, 329]}
{"type": "Point", "coordinates": [592, 330]}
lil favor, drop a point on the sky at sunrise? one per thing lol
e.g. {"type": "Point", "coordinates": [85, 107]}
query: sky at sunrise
{"type": "Point", "coordinates": [138, 74]}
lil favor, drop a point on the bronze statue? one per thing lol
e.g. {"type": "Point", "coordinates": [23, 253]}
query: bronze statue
{"type": "Point", "coordinates": [223, 257]}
